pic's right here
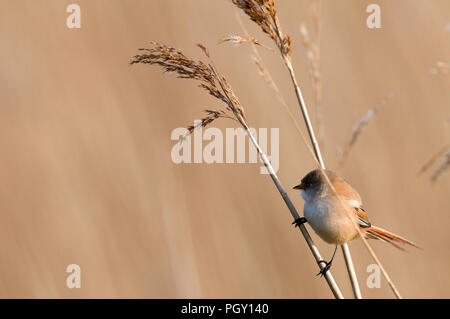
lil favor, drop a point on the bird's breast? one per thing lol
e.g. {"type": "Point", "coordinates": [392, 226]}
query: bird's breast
{"type": "Point", "coordinates": [328, 222]}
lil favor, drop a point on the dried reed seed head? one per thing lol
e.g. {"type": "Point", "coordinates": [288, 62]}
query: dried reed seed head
{"type": "Point", "coordinates": [172, 60]}
{"type": "Point", "coordinates": [264, 14]}
{"type": "Point", "coordinates": [359, 127]}
{"type": "Point", "coordinates": [204, 49]}
{"type": "Point", "coordinates": [312, 53]}
{"type": "Point", "coordinates": [305, 35]}
{"type": "Point", "coordinates": [237, 39]}
{"type": "Point", "coordinates": [211, 115]}
{"type": "Point", "coordinates": [444, 156]}
{"type": "Point", "coordinates": [445, 164]}
{"type": "Point", "coordinates": [440, 67]}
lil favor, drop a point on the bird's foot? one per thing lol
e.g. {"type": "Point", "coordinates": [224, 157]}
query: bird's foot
{"type": "Point", "coordinates": [327, 267]}
{"type": "Point", "coordinates": [299, 221]}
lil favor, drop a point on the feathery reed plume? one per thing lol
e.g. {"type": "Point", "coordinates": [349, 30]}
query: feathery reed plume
{"type": "Point", "coordinates": [237, 40]}
{"type": "Point", "coordinates": [313, 59]}
{"type": "Point", "coordinates": [445, 164]}
{"type": "Point", "coordinates": [263, 71]}
{"type": "Point", "coordinates": [263, 13]}
{"type": "Point", "coordinates": [358, 129]}
{"type": "Point", "coordinates": [440, 67]}
{"type": "Point", "coordinates": [444, 155]}
{"type": "Point", "coordinates": [265, 74]}
{"type": "Point", "coordinates": [312, 55]}
{"type": "Point", "coordinates": [211, 115]}
{"type": "Point", "coordinates": [172, 60]}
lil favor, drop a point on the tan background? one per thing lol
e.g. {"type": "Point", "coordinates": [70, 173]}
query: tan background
{"type": "Point", "coordinates": [86, 174]}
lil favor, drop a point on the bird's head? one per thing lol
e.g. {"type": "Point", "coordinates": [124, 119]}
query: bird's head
{"type": "Point", "coordinates": [311, 184]}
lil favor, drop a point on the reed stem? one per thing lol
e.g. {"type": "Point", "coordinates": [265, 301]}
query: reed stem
{"type": "Point", "coordinates": [318, 154]}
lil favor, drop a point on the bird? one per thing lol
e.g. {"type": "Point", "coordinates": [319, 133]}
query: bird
{"type": "Point", "coordinates": [335, 212]}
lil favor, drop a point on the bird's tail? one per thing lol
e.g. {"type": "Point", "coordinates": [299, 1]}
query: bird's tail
{"type": "Point", "coordinates": [384, 235]}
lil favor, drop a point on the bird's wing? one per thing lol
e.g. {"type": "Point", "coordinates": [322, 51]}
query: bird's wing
{"type": "Point", "coordinates": [362, 217]}
{"type": "Point", "coordinates": [360, 213]}
{"type": "Point", "coordinates": [351, 196]}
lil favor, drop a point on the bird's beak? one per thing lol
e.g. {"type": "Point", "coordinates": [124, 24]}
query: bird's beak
{"type": "Point", "coordinates": [300, 186]}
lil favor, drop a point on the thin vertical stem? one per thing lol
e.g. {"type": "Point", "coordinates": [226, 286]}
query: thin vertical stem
{"type": "Point", "coordinates": [352, 274]}
{"type": "Point", "coordinates": [305, 114]}
{"type": "Point", "coordinates": [316, 148]}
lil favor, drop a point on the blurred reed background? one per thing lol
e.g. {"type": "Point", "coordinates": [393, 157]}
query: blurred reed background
{"type": "Point", "coordinates": [86, 173]}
